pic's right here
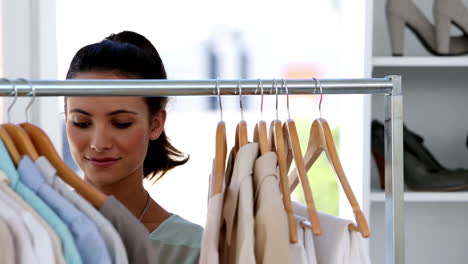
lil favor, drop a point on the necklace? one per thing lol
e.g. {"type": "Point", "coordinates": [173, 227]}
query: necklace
{"type": "Point", "coordinates": [146, 207]}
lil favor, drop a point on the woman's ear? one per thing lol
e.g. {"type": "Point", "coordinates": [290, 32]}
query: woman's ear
{"type": "Point", "coordinates": [157, 124]}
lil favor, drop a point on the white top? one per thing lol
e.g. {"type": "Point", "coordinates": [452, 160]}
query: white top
{"type": "Point", "coordinates": [7, 250]}
{"type": "Point", "coordinates": [209, 253]}
{"type": "Point", "coordinates": [112, 239]}
{"type": "Point", "coordinates": [238, 210]}
{"type": "Point", "coordinates": [24, 253]}
{"type": "Point", "coordinates": [57, 247]}
{"type": "Point", "coordinates": [336, 244]}
{"type": "Point", "coordinates": [41, 243]}
{"type": "Point", "coordinates": [304, 250]}
{"type": "Point", "coordinates": [271, 223]}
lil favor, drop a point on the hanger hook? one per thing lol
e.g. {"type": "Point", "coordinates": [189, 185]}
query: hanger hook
{"type": "Point", "coordinates": [317, 82]}
{"type": "Point", "coordinates": [287, 97]}
{"type": "Point", "coordinates": [260, 85]}
{"type": "Point", "coordinates": [33, 93]}
{"type": "Point", "coordinates": [15, 93]}
{"type": "Point", "coordinates": [239, 86]}
{"type": "Point", "coordinates": [219, 98]}
{"type": "Point", "coordinates": [275, 84]}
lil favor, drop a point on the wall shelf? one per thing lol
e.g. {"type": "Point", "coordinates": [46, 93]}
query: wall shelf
{"type": "Point", "coordinates": [410, 196]}
{"type": "Point", "coordinates": [420, 61]}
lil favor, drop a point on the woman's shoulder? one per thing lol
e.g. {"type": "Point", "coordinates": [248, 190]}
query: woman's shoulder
{"type": "Point", "coordinates": [178, 231]}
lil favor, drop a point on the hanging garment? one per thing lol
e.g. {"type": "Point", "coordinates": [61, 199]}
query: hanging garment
{"type": "Point", "coordinates": [210, 241]}
{"type": "Point", "coordinates": [177, 240]}
{"type": "Point", "coordinates": [209, 253]}
{"type": "Point", "coordinates": [24, 253]}
{"type": "Point", "coordinates": [223, 256]}
{"type": "Point", "coordinates": [134, 235]}
{"type": "Point", "coordinates": [303, 251]}
{"type": "Point", "coordinates": [41, 243]}
{"type": "Point", "coordinates": [334, 245]}
{"type": "Point", "coordinates": [70, 250]}
{"type": "Point", "coordinates": [90, 244]}
{"type": "Point", "coordinates": [238, 210]}
{"type": "Point", "coordinates": [56, 246]}
{"type": "Point", "coordinates": [271, 223]}
{"type": "Point", "coordinates": [7, 250]}
{"type": "Point", "coordinates": [112, 239]}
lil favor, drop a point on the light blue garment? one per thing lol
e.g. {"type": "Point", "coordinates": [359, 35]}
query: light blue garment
{"type": "Point", "coordinates": [113, 241]}
{"type": "Point", "coordinates": [87, 238]}
{"type": "Point", "coordinates": [177, 241]}
{"type": "Point", "coordinates": [70, 250]}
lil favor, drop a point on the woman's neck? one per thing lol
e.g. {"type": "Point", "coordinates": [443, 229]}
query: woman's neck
{"type": "Point", "coordinates": [129, 191]}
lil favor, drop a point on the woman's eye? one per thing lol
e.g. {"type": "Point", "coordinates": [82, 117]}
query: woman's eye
{"type": "Point", "coordinates": [122, 125]}
{"type": "Point", "coordinates": [81, 124]}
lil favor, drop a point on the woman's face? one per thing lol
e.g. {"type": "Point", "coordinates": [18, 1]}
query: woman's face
{"type": "Point", "coordinates": [109, 136]}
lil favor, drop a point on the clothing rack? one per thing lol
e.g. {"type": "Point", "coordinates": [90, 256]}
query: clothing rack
{"type": "Point", "coordinates": [390, 86]}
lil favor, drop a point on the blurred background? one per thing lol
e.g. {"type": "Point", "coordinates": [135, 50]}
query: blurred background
{"type": "Point", "coordinates": [208, 39]}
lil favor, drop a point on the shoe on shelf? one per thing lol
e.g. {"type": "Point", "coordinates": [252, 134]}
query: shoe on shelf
{"type": "Point", "coordinates": [402, 13]}
{"type": "Point", "coordinates": [448, 13]}
{"type": "Point", "coordinates": [422, 172]}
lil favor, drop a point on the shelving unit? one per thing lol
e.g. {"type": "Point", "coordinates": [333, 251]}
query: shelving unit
{"type": "Point", "coordinates": [424, 197]}
{"type": "Point", "coordinates": [435, 103]}
{"type": "Point", "coordinates": [419, 61]}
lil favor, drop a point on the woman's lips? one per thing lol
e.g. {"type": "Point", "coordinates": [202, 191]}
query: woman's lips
{"type": "Point", "coordinates": [103, 162]}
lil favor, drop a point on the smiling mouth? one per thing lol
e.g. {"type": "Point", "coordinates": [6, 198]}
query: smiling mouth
{"type": "Point", "coordinates": [103, 162]}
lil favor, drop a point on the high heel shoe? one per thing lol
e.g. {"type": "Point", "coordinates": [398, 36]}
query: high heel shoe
{"type": "Point", "coordinates": [401, 13]}
{"type": "Point", "coordinates": [446, 13]}
{"type": "Point", "coordinates": [422, 172]}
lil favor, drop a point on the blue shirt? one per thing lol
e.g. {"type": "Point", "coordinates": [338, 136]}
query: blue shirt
{"type": "Point", "coordinates": [87, 238]}
{"type": "Point", "coordinates": [70, 250]}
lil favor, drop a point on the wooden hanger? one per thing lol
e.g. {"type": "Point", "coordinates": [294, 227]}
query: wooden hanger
{"type": "Point", "coordinates": [278, 145]}
{"type": "Point", "coordinates": [321, 140]}
{"type": "Point", "coordinates": [261, 137]}
{"type": "Point", "coordinates": [23, 143]}
{"type": "Point", "coordinates": [294, 147]}
{"type": "Point", "coordinates": [45, 148]}
{"type": "Point", "coordinates": [241, 128]}
{"type": "Point", "coordinates": [260, 130]}
{"type": "Point", "coordinates": [10, 145]}
{"type": "Point", "coordinates": [217, 180]}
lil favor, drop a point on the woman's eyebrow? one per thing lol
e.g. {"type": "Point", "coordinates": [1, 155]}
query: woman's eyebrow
{"type": "Point", "coordinates": [120, 111]}
{"type": "Point", "coordinates": [77, 110]}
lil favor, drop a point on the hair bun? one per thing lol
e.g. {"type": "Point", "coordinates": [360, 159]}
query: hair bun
{"type": "Point", "coordinates": [135, 39]}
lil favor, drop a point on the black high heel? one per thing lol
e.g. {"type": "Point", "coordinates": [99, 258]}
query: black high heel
{"type": "Point", "coordinates": [422, 172]}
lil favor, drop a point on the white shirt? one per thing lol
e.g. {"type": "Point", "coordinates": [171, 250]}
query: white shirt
{"type": "Point", "coordinates": [336, 244]}
{"type": "Point", "coordinates": [56, 244]}
{"type": "Point", "coordinates": [209, 253]}
{"type": "Point", "coordinates": [238, 209]}
{"type": "Point", "coordinates": [24, 253]}
{"type": "Point", "coordinates": [41, 243]}
{"type": "Point", "coordinates": [271, 223]}
{"type": "Point", "coordinates": [304, 250]}
{"type": "Point", "coordinates": [7, 250]}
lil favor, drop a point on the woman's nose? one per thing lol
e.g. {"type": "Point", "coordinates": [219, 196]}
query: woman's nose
{"type": "Point", "coordinates": [101, 141]}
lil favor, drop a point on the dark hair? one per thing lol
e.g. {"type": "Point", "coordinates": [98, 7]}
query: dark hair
{"type": "Point", "coordinates": [129, 53]}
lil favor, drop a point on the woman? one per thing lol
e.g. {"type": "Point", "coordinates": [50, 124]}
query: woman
{"type": "Point", "coordinates": [119, 141]}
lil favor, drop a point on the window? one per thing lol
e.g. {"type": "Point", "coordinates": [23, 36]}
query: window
{"type": "Point", "coordinates": [285, 42]}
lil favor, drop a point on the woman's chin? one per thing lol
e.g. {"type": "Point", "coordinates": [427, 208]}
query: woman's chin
{"type": "Point", "coordinates": [101, 179]}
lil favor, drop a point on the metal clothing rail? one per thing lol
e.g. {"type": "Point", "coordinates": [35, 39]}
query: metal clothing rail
{"type": "Point", "coordinates": [389, 86]}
